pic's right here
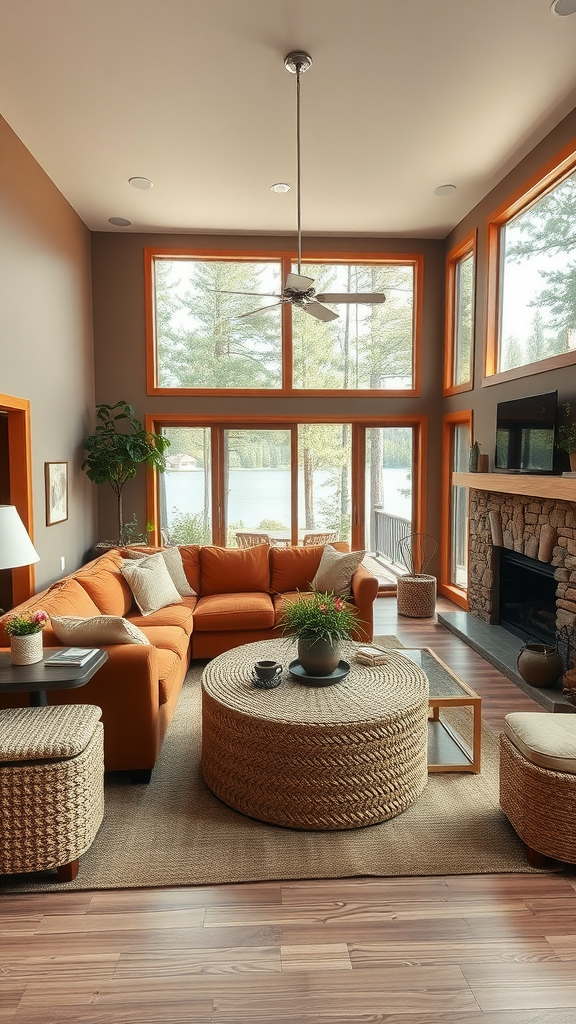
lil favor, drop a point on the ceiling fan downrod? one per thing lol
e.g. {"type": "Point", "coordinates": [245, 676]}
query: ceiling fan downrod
{"type": "Point", "coordinates": [297, 63]}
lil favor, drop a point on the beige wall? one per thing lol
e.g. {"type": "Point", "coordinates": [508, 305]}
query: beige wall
{"type": "Point", "coordinates": [46, 351]}
{"type": "Point", "coordinates": [119, 330]}
{"type": "Point", "coordinates": [483, 400]}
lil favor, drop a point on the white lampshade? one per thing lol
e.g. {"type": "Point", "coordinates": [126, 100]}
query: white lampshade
{"type": "Point", "coordinates": [16, 548]}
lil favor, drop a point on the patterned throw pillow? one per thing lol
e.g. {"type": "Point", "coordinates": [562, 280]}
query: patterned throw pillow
{"type": "Point", "coordinates": [336, 570]}
{"type": "Point", "coordinates": [101, 630]}
{"type": "Point", "coordinates": [150, 583]}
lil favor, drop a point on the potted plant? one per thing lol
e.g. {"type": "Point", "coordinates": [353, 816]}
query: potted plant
{"type": "Point", "coordinates": [566, 436]}
{"type": "Point", "coordinates": [25, 632]}
{"type": "Point", "coordinates": [319, 622]}
{"type": "Point", "coordinates": [114, 455]}
{"type": "Point", "coordinates": [416, 591]}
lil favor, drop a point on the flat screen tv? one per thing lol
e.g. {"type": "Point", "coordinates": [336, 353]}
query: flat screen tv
{"type": "Point", "coordinates": [525, 434]}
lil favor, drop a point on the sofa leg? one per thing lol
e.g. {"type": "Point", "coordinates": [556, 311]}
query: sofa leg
{"type": "Point", "coordinates": [139, 775]}
{"type": "Point", "coordinates": [68, 872]}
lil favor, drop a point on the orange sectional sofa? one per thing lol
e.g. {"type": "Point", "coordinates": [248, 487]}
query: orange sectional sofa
{"type": "Point", "coordinates": [238, 600]}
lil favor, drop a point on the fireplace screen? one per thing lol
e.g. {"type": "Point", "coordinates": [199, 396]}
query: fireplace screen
{"type": "Point", "coordinates": [527, 597]}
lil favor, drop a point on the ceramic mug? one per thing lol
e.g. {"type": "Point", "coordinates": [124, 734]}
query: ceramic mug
{"type": "Point", "coordinates": [267, 673]}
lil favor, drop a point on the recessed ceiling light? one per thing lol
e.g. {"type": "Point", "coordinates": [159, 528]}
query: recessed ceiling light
{"type": "Point", "coordinates": [280, 186]}
{"type": "Point", "coordinates": [563, 8]}
{"type": "Point", "coordinates": [444, 190]}
{"type": "Point", "coordinates": [119, 222]}
{"type": "Point", "coordinates": [143, 183]}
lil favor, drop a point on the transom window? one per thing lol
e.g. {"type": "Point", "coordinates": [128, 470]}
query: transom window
{"type": "Point", "coordinates": [459, 343]}
{"type": "Point", "coordinates": [532, 292]}
{"type": "Point", "coordinates": [217, 325]}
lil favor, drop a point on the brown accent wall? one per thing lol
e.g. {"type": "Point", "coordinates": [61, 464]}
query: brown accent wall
{"type": "Point", "coordinates": [119, 330]}
{"type": "Point", "coordinates": [46, 350]}
{"type": "Point", "coordinates": [483, 400]}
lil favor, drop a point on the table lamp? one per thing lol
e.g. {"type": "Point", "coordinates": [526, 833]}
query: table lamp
{"type": "Point", "coordinates": [16, 548]}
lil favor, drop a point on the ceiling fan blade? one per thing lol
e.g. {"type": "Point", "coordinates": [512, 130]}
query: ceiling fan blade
{"type": "Point", "coordinates": [259, 310]}
{"type": "Point", "coordinates": [263, 295]}
{"type": "Point", "coordinates": [298, 282]}
{"type": "Point", "coordinates": [320, 312]}
{"type": "Point", "coordinates": [352, 297]}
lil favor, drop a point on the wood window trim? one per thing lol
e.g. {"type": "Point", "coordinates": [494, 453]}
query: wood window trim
{"type": "Point", "coordinates": [543, 180]}
{"type": "Point", "coordinates": [287, 257]}
{"type": "Point", "coordinates": [445, 586]}
{"type": "Point", "coordinates": [20, 458]}
{"type": "Point", "coordinates": [218, 422]}
{"type": "Point", "coordinates": [464, 248]}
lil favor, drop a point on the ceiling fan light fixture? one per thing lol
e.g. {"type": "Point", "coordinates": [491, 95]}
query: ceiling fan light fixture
{"type": "Point", "coordinates": [563, 8]}
{"type": "Point", "coordinates": [280, 187]}
{"type": "Point", "coordinates": [142, 183]}
{"type": "Point", "coordinates": [444, 190]}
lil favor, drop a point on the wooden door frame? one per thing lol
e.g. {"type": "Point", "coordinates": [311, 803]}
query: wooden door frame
{"type": "Point", "coordinates": [20, 481]}
{"type": "Point", "coordinates": [445, 585]}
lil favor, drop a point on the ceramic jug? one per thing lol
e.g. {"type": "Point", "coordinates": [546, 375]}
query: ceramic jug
{"type": "Point", "coordinates": [540, 664]}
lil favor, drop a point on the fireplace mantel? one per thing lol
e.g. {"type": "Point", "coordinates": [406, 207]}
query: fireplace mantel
{"type": "Point", "coordinates": [560, 487]}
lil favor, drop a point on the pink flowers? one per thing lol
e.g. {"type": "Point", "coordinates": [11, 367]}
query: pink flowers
{"type": "Point", "coordinates": [24, 623]}
{"type": "Point", "coordinates": [339, 604]}
{"type": "Point", "coordinates": [323, 608]}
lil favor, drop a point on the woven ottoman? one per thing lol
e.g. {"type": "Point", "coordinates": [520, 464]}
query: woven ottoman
{"type": "Point", "coordinates": [538, 782]}
{"type": "Point", "coordinates": [51, 787]}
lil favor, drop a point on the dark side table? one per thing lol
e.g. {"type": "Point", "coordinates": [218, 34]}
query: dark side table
{"type": "Point", "coordinates": [38, 678]}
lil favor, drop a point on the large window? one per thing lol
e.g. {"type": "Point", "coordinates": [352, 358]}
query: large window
{"type": "Point", "coordinates": [215, 325]}
{"type": "Point", "coordinates": [354, 480]}
{"type": "Point", "coordinates": [532, 278]}
{"type": "Point", "coordinates": [459, 342]}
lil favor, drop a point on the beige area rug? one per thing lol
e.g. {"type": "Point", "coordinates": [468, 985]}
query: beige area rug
{"type": "Point", "coordinates": [175, 832]}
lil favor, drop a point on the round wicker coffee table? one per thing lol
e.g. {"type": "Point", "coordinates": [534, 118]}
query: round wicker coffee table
{"type": "Point", "coordinates": [332, 757]}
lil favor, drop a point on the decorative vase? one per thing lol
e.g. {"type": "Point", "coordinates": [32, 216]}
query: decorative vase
{"type": "Point", "coordinates": [26, 650]}
{"type": "Point", "coordinates": [474, 457]}
{"type": "Point", "coordinates": [318, 657]}
{"type": "Point", "coordinates": [540, 665]}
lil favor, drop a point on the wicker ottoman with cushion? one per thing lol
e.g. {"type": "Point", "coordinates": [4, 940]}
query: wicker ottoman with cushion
{"type": "Point", "coordinates": [538, 782]}
{"type": "Point", "coordinates": [51, 787]}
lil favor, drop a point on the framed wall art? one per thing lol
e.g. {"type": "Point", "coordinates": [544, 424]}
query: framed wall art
{"type": "Point", "coordinates": [56, 476]}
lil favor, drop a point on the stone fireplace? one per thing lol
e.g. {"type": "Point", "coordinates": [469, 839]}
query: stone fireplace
{"type": "Point", "coordinates": [543, 531]}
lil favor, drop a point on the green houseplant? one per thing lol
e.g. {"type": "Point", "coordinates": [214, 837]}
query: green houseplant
{"type": "Point", "coordinates": [25, 632]}
{"type": "Point", "coordinates": [118, 446]}
{"type": "Point", "coordinates": [319, 622]}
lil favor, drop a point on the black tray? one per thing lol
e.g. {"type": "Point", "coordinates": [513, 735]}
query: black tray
{"type": "Point", "coordinates": [340, 672]}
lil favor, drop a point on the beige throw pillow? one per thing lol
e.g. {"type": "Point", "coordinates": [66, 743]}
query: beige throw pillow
{"type": "Point", "coordinates": [174, 564]}
{"type": "Point", "coordinates": [150, 582]}
{"type": "Point", "coordinates": [97, 631]}
{"type": "Point", "coordinates": [336, 570]}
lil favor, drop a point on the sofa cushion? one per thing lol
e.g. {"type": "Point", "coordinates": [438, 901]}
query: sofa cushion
{"type": "Point", "coordinates": [150, 582]}
{"type": "Point", "coordinates": [546, 740]}
{"type": "Point", "coordinates": [218, 612]}
{"type": "Point", "coordinates": [168, 672]}
{"type": "Point", "coordinates": [280, 601]}
{"type": "Point", "coordinates": [173, 560]}
{"type": "Point", "coordinates": [167, 638]}
{"type": "Point", "coordinates": [336, 570]}
{"type": "Point", "coordinates": [295, 568]}
{"type": "Point", "coordinates": [104, 582]}
{"type": "Point", "coordinates": [100, 630]}
{"type": "Point", "coordinates": [173, 615]}
{"type": "Point", "coordinates": [234, 570]}
{"type": "Point", "coordinates": [66, 597]}
{"type": "Point", "coordinates": [191, 561]}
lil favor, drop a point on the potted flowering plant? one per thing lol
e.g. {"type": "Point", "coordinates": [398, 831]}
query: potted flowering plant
{"type": "Point", "coordinates": [319, 621]}
{"type": "Point", "coordinates": [25, 632]}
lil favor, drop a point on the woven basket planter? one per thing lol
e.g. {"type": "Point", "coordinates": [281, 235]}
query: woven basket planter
{"type": "Point", "coordinates": [416, 596]}
{"type": "Point", "coordinates": [26, 650]}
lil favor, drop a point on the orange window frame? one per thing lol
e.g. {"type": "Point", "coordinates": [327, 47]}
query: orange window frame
{"type": "Point", "coordinates": [544, 180]}
{"type": "Point", "coordinates": [287, 258]}
{"type": "Point", "coordinates": [219, 423]}
{"type": "Point", "coordinates": [445, 585]}
{"type": "Point", "coordinates": [465, 248]}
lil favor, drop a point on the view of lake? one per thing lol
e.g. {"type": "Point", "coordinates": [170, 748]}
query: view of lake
{"type": "Point", "coordinates": [257, 494]}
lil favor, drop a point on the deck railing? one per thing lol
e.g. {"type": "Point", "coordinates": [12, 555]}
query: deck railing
{"type": "Point", "coordinates": [389, 530]}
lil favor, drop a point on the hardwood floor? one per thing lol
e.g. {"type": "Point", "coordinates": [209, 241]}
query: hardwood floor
{"type": "Point", "coordinates": [470, 949]}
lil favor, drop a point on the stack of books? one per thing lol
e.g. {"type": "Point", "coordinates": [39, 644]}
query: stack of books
{"type": "Point", "coordinates": [373, 655]}
{"type": "Point", "coordinates": [73, 657]}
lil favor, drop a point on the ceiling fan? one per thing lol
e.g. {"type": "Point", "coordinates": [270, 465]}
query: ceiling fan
{"type": "Point", "coordinates": [299, 289]}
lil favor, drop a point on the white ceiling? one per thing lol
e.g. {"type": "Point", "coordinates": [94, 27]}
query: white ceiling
{"type": "Point", "coordinates": [403, 96]}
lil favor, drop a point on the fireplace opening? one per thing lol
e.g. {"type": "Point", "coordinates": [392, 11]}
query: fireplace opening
{"type": "Point", "coordinates": [527, 597]}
